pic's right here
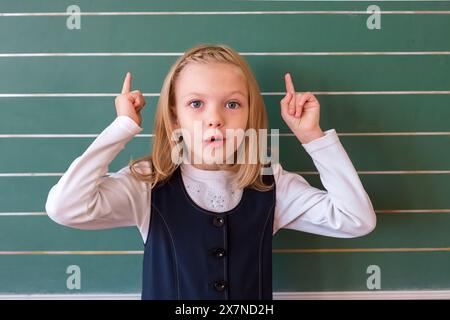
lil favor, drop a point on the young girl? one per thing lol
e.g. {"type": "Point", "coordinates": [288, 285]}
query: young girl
{"type": "Point", "coordinates": [207, 227]}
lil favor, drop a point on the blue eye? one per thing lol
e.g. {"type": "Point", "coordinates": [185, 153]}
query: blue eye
{"type": "Point", "coordinates": [236, 104]}
{"type": "Point", "coordinates": [190, 103]}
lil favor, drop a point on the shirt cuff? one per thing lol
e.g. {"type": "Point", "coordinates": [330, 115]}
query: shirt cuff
{"type": "Point", "coordinates": [327, 140]}
{"type": "Point", "coordinates": [128, 124]}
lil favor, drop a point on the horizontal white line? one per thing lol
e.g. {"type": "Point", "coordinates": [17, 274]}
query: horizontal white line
{"type": "Point", "coordinates": [74, 252]}
{"type": "Point", "coordinates": [151, 135]}
{"type": "Point", "coordinates": [415, 211]}
{"type": "Point", "coordinates": [58, 174]}
{"type": "Point", "coordinates": [19, 214]}
{"type": "Point", "coordinates": [63, 135]}
{"type": "Point", "coordinates": [166, 54]}
{"type": "Point", "coordinates": [386, 172]}
{"type": "Point", "coordinates": [24, 214]}
{"type": "Point", "coordinates": [382, 134]}
{"type": "Point", "coordinates": [366, 134]}
{"type": "Point", "coordinates": [345, 0]}
{"type": "Point", "coordinates": [282, 295]}
{"type": "Point", "coordinates": [73, 296]}
{"type": "Point", "coordinates": [175, 13]}
{"type": "Point", "coordinates": [31, 174]}
{"type": "Point", "coordinates": [34, 95]}
{"type": "Point", "coordinates": [357, 250]}
{"type": "Point", "coordinates": [406, 172]}
{"type": "Point", "coordinates": [283, 251]}
{"type": "Point", "coordinates": [362, 295]}
{"type": "Point", "coordinates": [92, 54]}
{"type": "Point", "coordinates": [363, 92]}
{"type": "Point", "coordinates": [28, 95]}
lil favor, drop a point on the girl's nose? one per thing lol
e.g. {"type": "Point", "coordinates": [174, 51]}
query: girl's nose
{"type": "Point", "coordinates": [214, 123]}
{"type": "Point", "coordinates": [214, 119]}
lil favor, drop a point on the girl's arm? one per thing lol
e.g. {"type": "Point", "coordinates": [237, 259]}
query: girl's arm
{"type": "Point", "coordinates": [344, 209]}
{"type": "Point", "coordinates": [85, 197]}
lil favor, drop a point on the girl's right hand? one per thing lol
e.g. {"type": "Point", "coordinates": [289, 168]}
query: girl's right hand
{"type": "Point", "coordinates": [130, 103]}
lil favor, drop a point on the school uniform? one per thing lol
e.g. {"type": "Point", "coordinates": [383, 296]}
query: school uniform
{"type": "Point", "coordinates": [193, 253]}
{"type": "Point", "coordinates": [176, 220]}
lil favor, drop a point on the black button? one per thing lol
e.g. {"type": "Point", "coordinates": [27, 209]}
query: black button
{"type": "Point", "coordinates": [218, 221]}
{"type": "Point", "coordinates": [220, 285]}
{"type": "Point", "coordinates": [219, 252]}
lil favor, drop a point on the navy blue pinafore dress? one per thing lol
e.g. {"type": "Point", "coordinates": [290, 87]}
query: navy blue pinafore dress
{"type": "Point", "coordinates": [193, 253]}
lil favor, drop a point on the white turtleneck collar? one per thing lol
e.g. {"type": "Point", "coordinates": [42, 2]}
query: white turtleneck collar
{"type": "Point", "coordinates": [213, 190]}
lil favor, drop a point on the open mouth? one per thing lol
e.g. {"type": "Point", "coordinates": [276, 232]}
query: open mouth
{"type": "Point", "coordinates": [214, 141]}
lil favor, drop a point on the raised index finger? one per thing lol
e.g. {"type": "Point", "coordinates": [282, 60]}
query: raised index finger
{"type": "Point", "coordinates": [289, 83]}
{"type": "Point", "coordinates": [127, 83]}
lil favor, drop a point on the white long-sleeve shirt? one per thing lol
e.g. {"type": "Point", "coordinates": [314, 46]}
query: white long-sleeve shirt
{"type": "Point", "coordinates": [85, 197]}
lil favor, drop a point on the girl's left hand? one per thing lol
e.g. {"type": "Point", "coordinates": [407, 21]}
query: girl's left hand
{"type": "Point", "coordinates": [301, 112]}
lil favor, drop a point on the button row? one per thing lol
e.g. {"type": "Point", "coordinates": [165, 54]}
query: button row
{"type": "Point", "coordinates": [219, 285]}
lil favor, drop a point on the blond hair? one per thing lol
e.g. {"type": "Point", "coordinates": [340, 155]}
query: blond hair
{"type": "Point", "coordinates": [162, 167]}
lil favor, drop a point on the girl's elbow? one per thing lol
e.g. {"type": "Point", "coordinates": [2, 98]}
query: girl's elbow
{"type": "Point", "coordinates": [53, 206]}
{"type": "Point", "coordinates": [61, 213]}
{"type": "Point", "coordinates": [367, 225]}
{"type": "Point", "coordinates": [55, 213]}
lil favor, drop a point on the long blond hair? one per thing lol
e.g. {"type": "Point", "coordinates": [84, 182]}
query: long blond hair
{"type": "Point", "coordinates": [162, 167]}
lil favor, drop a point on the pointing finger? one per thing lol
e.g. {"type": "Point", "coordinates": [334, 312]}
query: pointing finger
{"type": "Point", "coordinates": [289, 83]}
{"type": "Point", "coordinates": [127, 83]}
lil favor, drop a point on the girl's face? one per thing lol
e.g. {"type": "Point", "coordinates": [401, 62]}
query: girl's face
{"type": "Point", "coordinates": [211, 99]}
